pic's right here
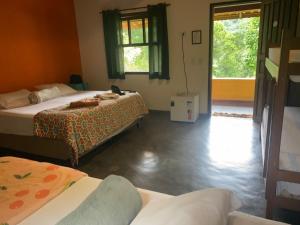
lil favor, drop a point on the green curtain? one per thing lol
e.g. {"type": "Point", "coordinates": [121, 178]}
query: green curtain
{"type": "Point", "coordinates": [158, 42]}
{"type": "Point", "coordinates": [112, 25]}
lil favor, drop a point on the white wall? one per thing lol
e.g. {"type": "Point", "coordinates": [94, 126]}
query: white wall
{"type": "Point", "coordinates": [183, 16]}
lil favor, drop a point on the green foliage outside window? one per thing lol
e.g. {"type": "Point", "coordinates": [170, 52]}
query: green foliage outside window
{"type": "Point", "coordinates": [136, 49]}
{"type": "Point", "coordinates": [235, 48]}
{"type": "Point", "coordinates": [136, 59]}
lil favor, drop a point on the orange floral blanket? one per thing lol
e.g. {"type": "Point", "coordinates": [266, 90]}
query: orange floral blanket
{"type": "Point", "coordinates": [84, 128]}
{"type": "Point", "coordinates": [25, 186]}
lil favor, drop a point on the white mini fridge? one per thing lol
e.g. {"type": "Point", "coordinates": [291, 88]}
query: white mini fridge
{"type": "Point", "coordinates": [185, 108]}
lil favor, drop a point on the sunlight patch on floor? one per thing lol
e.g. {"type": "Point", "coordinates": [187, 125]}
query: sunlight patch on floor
{"type": "Point", "coordinates": [231, 141]}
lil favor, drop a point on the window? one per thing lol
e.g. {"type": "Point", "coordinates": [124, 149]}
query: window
{"type": "Point", "coordinates": [135, 43]}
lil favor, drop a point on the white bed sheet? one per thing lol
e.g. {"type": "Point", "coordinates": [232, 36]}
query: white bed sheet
{"type": "Point", "coordinates": [290, 138]}
{"type": "Point", "coordinates": [69, 200]}
{"type": "Point", "coordinates": [289, 150]}
{"type": "Point", "coordinates": [290, 162]}
{"type": "Point", "coordinates": [263, 132]}
{"type": "Point", "coordinates": [19, 121]}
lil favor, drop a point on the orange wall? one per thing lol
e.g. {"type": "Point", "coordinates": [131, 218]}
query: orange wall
{"type": "Point", "coordinates": [38, 43]}
{"type": "Point", "coordinates": [233, 89]}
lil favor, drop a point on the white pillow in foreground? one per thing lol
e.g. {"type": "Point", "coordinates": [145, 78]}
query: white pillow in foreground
{"type": "Point", "coordinates": [206, 207]}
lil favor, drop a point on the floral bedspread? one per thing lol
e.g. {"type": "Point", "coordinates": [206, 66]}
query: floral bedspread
{"type": "Point", "coordinates": [84, 128]}
{"type": "Point", "coordinates": [25, 186]}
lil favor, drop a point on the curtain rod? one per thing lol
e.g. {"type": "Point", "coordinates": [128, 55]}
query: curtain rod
{"type": "Point", "coordinates": [129, 9]}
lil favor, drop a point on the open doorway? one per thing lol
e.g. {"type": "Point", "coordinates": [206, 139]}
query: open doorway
{"type": "Point", "coordinates": [233, 57]}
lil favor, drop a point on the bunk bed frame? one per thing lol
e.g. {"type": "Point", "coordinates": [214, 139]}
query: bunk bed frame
{"type": "Point", "coordinates": [276, 98]}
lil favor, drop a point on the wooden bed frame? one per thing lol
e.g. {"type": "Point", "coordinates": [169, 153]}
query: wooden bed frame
{"type": "Point", "coordinates": [50, 148]}
{"type": "Point", "coordinates": [276, 98]}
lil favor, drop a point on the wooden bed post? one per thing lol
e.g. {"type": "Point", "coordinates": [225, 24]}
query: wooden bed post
{"type": "Point", "coordinates": [266, 94]}
{"type": "Point", "coordinates": [270, 102]}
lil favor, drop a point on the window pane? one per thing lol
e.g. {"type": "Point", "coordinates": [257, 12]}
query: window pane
{"type": "Point", "coordinates": [146, 30]}
{"type": "Point", "coordinates": [125, 32]}
{"type": "Point", "coordinates": [136, 59]}
{"type": "Point", "coordinates": [137, 35]}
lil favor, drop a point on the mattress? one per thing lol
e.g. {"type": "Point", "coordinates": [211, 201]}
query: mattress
{"type": "Point", "coordinates": [19, 121]}
{"type": "Point", "coordinates": [69, 200]}
{"type": "Point", "coordinates": [290, 140]}
{"type": "Point", "coordinates": [275, 54]}
{"type": "Point", "coordinates": [263, 132]}
{"type": "Point", "coordinates": [289, 149]}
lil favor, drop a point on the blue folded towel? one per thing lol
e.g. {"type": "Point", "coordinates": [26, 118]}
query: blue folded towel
{"type": "Point", "coordinates": [115, 202]}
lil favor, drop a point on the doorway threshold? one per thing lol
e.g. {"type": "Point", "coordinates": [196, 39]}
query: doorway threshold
{"type": "Point", "coordinates": [233, 109]}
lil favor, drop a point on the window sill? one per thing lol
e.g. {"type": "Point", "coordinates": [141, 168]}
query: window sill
{"type": "Point", "coordinates": [137, 73]}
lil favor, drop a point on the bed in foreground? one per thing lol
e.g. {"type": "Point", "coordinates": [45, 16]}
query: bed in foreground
{"type": "Point", "coordinates": [52, 129]}
{"type": "Point", "coordinates": [58, 195]}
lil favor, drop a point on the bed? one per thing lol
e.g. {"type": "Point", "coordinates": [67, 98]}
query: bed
{"type": "Point", "coordinates": [62, 205]}
{"type": "Point", "coordinates": [22, 178]}
{"type": "Point", "coordinates": [68, 133]}
{"type": "Point", "coordinates": [289, 150]}
{"type": "Point", "coordinates": [281, 138]}
{"type": "Point", "coordinates": [68, 190]}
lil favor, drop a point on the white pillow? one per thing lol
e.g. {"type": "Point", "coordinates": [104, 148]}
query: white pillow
{"type": "Point", "coordinates": [44, 95]}
{"type": "Point", "coordinates": [206, 207]}
{"type": "Point", "coordinates": [64, 89]}
{"type": "Point", "coordinates": [14, 99]}
{"type": "Point", "coordinates": [239, 218]}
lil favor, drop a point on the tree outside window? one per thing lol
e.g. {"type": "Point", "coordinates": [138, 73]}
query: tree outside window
{"type": "Point", "coordinates": [235, 48]}
{"type": "Point", "coordinates": [135, 44]}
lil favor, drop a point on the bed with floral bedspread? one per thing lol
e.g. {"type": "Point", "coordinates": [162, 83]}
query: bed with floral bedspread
{"type": "Point", "coordinates": [84, 128]}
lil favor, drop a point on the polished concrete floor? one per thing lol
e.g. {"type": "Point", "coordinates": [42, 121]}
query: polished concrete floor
{"type": "Point", "coordinates": [177, 158]}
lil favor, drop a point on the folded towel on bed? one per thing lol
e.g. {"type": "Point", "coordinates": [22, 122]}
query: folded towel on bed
{"type": "Point", "coordinates": [84, 103]}
{"type": "Point", "coordinates": [107, 96]}
{"type": "Point", "coordinates": [115, 202]}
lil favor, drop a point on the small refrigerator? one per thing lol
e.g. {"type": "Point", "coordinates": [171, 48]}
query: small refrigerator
{"type": "Point", "coordinates": [185, 108]}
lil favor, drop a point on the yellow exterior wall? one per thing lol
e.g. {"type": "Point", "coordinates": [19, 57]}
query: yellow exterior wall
{"type": "Point", "coordinates": [233, 89]}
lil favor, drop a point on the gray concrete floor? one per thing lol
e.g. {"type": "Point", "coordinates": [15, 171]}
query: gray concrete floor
{"type": "Point", "coordinates": [176, 158]}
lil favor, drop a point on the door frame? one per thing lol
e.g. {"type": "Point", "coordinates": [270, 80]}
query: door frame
{"type": "Point", "coordinates": [211, 36]}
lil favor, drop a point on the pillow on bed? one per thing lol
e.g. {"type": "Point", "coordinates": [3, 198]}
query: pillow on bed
{"type": "Point", "coordinates": [206, 207]}
{"type": "Point", "coordinates": [44, 95]}
{"type": "Point", "coordinates": [239, 218]}
{"type": "Point", "coordinates": [14, 99]}
{"type": "Point", "coordinates": [115, 202]}
{"type": "Point", "coordinates": [64, 89]}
